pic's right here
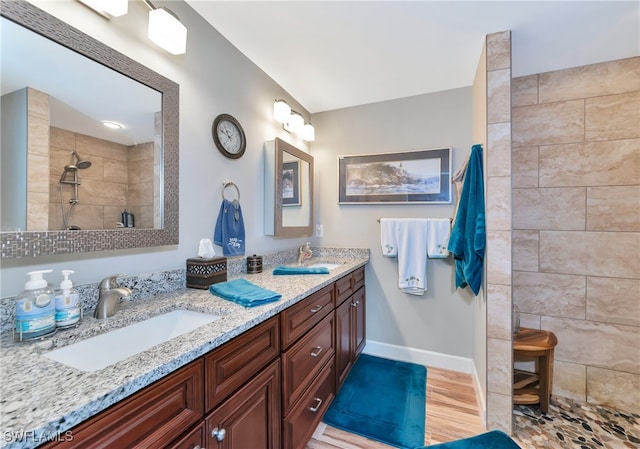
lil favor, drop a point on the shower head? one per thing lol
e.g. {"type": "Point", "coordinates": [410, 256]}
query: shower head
{"type": "Point", "coordinates": [80, 163]}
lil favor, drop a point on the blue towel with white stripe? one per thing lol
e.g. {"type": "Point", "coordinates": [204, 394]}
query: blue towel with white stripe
{"type": "Point", "coordinates": [284, 269]}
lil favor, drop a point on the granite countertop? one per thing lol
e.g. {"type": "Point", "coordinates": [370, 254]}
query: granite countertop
{"type": "Point", "coordinates": [40, 399]}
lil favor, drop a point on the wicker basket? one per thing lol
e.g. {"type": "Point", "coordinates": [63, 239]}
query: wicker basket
{"type": "Point", "coordinates": [201, 273]}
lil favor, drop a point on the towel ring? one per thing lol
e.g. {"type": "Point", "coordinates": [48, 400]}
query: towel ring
{"type": "Point", "coordinates": [226, 184]}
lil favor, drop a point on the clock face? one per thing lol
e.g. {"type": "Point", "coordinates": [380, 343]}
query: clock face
{"type": "Point", "coordinates": [229, 136]}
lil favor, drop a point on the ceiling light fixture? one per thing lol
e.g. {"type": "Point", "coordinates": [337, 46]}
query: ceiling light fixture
{"type": "Point", "coordinates": [292, 121]}
{"type": "Point", "coordinates": [112, 125]}
{"type": "Point", "coordinates": [166, 30]}
{"type": "Point", "coordinates": [108, 8]}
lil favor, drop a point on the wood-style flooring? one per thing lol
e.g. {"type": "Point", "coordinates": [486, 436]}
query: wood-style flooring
{"type": "Point", "coordinates": [452, 413]}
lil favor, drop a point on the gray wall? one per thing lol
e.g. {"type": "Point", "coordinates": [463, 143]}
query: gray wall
{"type": "Point", "coordinates": [214, 78]}
{"type": "Point", "coordinates": [442, 320]}
{"type": "Point", "coordinates": [13, 130]}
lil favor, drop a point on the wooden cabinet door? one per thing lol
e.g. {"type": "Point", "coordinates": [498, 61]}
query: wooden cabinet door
{"type": "Point", "coordinates": [358, 322]}
{"type": "Point", "coordinates": [193, 440]}
{"type": "Point", "coordinates": [343, 342]}
{"type": "Point", "coordinates": [251, 417]}
{"type": "Point", "coordinates": [151, 418]}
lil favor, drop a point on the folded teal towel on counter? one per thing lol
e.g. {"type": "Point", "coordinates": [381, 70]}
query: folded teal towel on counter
{"type": "Point", "coordinates": [285, 269]}
{"type": "Point", "coordinates": [244, 293]}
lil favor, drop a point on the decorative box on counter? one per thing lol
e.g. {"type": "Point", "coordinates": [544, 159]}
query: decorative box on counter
{"type": "Point", "coordinates": [201, 272]}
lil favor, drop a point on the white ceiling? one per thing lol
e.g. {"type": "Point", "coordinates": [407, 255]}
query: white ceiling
{"type": "Point", "coordinates": [335, 54]}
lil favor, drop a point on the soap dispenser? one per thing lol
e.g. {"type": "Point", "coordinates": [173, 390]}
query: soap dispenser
{"type": "Point", "coordinates": [67, 300]}
{"type": "Point", "coordinates": [35, 308]}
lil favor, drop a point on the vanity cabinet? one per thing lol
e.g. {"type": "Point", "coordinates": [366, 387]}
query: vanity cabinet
{"type": "Point", "coordinates": [267, 388]}
{"type": "Point", "coordinates": [350, 322]}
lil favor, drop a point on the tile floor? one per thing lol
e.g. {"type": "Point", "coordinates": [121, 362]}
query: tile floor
{"type": "Point", "coordinates": [574, 425]}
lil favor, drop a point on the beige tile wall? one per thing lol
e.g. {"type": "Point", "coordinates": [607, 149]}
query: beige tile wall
{"type": "Point", "coordinates": [576, 221]}
{"type": "Point", "coordinates": [37, 160]}
{"type": "Point", "coordinates": [499, 235]}
{"type": "Point", "coordinates": [116, 180]}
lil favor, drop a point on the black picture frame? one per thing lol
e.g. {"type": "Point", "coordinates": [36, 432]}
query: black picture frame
{"type": "Point", "coordinates": [419, 176]}
{"type": "Point", "coordinates": [291, 183]}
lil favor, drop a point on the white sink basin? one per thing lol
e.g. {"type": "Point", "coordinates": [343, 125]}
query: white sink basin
{"type": "Point", "coordinates": [328, 266]}
{"type": "Point", "coordinates": [106, 349]}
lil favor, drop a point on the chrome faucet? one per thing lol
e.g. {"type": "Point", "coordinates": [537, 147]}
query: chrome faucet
{"type": "Point", "coordinates": [108, 297]}
{"type": "Point", "coordinates": [304, 252]}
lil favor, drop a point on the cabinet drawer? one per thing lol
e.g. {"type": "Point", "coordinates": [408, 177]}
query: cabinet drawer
{"type": "Point", "coordinates": [302, 361]}
{"type": "Point", "coordinates": [344, 289]}
{"type": "Point", "coordinates": [234, 363]}
{"type": "Point", "coordinates": [299, 318]}
{"type": "Point", "coordinates": [358, 278]}
{"type": "Point", "coordinates": [300, 423]}
{"type": "Point", "coordinates": [148, 419]}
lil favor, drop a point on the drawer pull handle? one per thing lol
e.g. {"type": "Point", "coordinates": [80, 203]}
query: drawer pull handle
{"type": "Point", "coordinates": [316, 308]}
{"type": "Point", "coordinates": [316, 351]}
{"type": "Point", "coordinates": [317, 406]}
{"type": "Point", "coordinates": [197, 447]}
{"type": "Point", "coordinates": [218, 434]}
{"type": "Point", "coordinates": [355, 303]}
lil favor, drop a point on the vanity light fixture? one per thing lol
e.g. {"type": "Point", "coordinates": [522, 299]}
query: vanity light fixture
{"type": "Point", "coordinates": [166, 30]}
{"type": "Point", "coordinates": [281, 111]}
{"type": "Point", "coordinates": [108, 8]}
{"type": "Point", "coordinates": [292, 121]}
{"type": "Point", "coordinates": [308, 132]}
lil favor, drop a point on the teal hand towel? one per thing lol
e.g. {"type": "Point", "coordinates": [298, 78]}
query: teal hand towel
{"type": "Point", "coordinates": [284, 269]}
{"type": "Point", "coordinates": [468, 237]}
{"type": "Point", "coordinates": [244, 293]}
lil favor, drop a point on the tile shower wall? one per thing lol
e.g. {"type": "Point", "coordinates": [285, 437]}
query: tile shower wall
{"type": "Point", "coordinates": [119, 177]}
{"type": "Point", "coordinates": [576, 221]}
{"type": "Point", "coordinates": [498, 222]}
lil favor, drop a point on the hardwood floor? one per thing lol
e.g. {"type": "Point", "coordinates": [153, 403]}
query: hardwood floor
{"type": "Point", "coordinates": [452, 413]}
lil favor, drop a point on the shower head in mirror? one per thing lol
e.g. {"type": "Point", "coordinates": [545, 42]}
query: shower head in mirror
{"type": "Point", "coordinates": [79, 163]}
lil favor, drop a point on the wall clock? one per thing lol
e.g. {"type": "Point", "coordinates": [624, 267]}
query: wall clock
{"type": "Point", "coordinates": [228, 136]}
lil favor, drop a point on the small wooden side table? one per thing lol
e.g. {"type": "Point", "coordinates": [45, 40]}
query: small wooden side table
{"type": "Point", "coordinates": [534, 388]}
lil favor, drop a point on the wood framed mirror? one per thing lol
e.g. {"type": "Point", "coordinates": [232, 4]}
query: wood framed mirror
{"type": "Point", "coordinates": [288, 190]}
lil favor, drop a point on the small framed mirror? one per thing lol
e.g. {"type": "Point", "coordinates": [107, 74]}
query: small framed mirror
{"type": "Point", "coordinates": [288, 190]}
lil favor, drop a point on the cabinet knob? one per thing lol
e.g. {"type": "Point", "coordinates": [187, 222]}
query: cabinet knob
{"type": "Point", "coordinates": [316, 309]}
{"type": "Point", "coordinates": [315, 408]}
{"type": "Point", "coordinates": [316, 351]}
{"type": "Point", "coordinates": [218, 434]}
{"type": "Point", "coordinates": [355, 303]}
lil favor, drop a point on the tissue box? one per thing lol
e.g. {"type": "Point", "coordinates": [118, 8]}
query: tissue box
{"type": "Point", "coordinates": [201, 273]}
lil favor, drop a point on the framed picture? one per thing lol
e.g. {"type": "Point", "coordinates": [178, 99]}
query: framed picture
{"type": "Point", "coordinates": [422, 176]}
{"type": "Point", "coordinates": [291, 183]}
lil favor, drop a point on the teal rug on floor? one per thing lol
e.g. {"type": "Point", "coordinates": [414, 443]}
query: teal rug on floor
{"type": "Point", "coordinates": [495, 439]}
{"type": "Point", "coordinates": [383, 400]}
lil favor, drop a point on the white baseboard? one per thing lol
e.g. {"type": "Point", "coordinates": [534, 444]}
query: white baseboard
{"type": "Point", "coordinates": [419, 356]}
{"type": "Point", "coordinates": [429, 358]}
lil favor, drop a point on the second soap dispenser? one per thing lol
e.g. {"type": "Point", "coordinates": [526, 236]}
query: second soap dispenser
{"type": "Point", "coordinates": [68, 309]}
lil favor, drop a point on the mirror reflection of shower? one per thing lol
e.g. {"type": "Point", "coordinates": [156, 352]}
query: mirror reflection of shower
{"type": "Point", "coordinates": [70, 177]}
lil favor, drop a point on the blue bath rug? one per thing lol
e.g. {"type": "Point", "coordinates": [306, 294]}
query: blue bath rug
{"type": "Point", "coordinates": [383, 400]}
{"type": "Point", "coordinates": [494, 439]}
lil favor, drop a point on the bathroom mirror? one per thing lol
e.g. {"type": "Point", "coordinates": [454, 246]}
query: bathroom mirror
{"type": "Point", "coordinates": [150, 98]}
{"type": "Point", "coordinates": [288, 190]}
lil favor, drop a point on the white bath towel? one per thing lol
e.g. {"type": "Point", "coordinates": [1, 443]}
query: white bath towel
{"type": "Point", "coordinates": [438, 232]}
{"type": "Point", "coordinates": [411, 243]}
{"type": "Point", "coordinates": [388, 238]}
